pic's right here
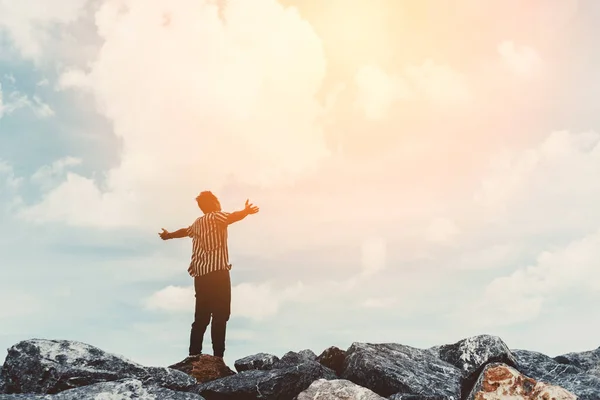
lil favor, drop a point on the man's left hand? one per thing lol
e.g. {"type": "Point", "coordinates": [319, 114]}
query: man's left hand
{"type": "Point", "coordinates": [164, 235]}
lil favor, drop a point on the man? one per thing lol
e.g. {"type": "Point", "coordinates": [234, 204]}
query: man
{"type": "Point", "coordinates": [210, 268]}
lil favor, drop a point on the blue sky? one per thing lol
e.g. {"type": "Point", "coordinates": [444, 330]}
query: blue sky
{"type": "Point", "coordinates": [431, 178]}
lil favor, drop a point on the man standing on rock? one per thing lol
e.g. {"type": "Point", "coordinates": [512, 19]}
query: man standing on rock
{"type": "Point", "coordinates": [210, 268]}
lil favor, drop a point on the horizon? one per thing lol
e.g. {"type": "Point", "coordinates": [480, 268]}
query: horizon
{"type": "Point", "coordinates": [425, 172]}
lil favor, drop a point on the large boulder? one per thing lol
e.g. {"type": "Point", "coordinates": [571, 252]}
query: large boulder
{"type": "Point", "coordinates": [292, 358]}
{"type": "Point", "coordinates": [472, 354]}
{"type": "Point", "coordinates": [170, 379]}
{"type": "Point", "coordinates": [546, 369]}
{"type": "Point", "coordinates": [589, 361]}
{"type": "Point", "coordinates": [51, 366]}
{"type": "Point", "coordinates": [392, 368]}
{"type": "Point", "coordinates": [262, 361]}
{"type": "Point", "coordinates": [208, 368]}
{"type": "Point", "coordinates": [404, 396]}
{"type": "Point", "coordinates": [333, 358]}
{"type": "Point", "coordinates": [501, 382]}
{"type": "Point", "coordinates": [124, 389]}
{"type": "Point", "coordinates": [280, 384]}
{"type": "Point", "coordinates": [337, 389]}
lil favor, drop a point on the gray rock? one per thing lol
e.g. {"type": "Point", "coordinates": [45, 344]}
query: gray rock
{"type": "Point", "coordinates": [262, 361]}
{"type": "Point", "coordinates": [292, 358]}
{"type": "Point", "coordinates": [546, 369]}
{"type": "Point", "coordinates": [472, 354]}
{"type": "Point", "coordinates": [392, 368]}
{"type": "Point", "coordinates": [124, 389]}
{"type": "Point", "coordinates": [280, 384]}
{"type": "Point", "coordinates": [499, 381]}
{"type": "Point", "coordinates": [337, 389]}
{"type": "Point", "coordinates": [51, 366]}
{"type": "Point", "coordinates": [333, 358]}
{"type": "Point", "coordinates": [170, 379]}
{"type": "Point", "coordinates": [588, 361]}
{"type": "Point", "coordinates": [404, 396]}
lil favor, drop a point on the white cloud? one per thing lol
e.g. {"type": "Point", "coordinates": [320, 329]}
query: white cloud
{"type": "Point", "coordinates": [377, 91]}
{"type": "Point", "coordinates": [521, 60]}
{"type": "Point", "coordinates": [442, 231]}
{"type": "Point", "coordinates": [379, 302]}
{"type": "Point", "coordinates": [16, 100]}
{"type": "Point", "coordinates": [548, 188]}
{"type": "Point", "coordinates": [172, 299]}
{"type": "Point", "coordinates": [29, 23]}
{"type": "Point", "coordinates": [48, 175]}
{"type": "Point", "coordinates": [373, 255]}
{"type": "Point", "coordinates": [248, 300]}
{"type": "Point", "coordinates": [194, 103]}
{"type": "Point", "coordinates": [520, 296]}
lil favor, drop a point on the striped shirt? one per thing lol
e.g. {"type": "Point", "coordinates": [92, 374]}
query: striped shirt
{"type": "Point", "coordinates": [209, 244]}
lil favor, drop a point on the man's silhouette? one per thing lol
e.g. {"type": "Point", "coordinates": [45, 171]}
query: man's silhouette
{"type": "Point", "coordinates": [210, 269]}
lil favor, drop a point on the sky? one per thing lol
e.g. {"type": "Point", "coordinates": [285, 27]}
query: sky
{"type": "Point", "coordinates": [425, 171]}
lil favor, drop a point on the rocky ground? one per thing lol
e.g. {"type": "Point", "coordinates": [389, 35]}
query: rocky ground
{"type": "Point", "coordinates": [476, 368]}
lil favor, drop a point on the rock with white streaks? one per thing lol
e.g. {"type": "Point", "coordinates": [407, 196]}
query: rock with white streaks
{"type": "Point", "coordinates": [125, 389]}
{"type": "Point", "coordinates": [292, 358]}
{"type": "Point", "coordinates": [501, 382]}
{"type": "Point", "coordinates": [546, 369]}
{"type": "Point", "coordinates": [392, 368]}
{"type": "Point", "coordinates": [262, 361]}
{"type": "Point", "coordinates": [275, 384]}
{"type": "Point", "coordinates": [51, 366]}
{"type": "Point", "coordinates": [472, 354]}
{"type": "Point", "coordinates": [337, 389]}
{"type": "Point", "coordinates": [404, 396]}
{"type": "Point", "coordinates": [589, 361]}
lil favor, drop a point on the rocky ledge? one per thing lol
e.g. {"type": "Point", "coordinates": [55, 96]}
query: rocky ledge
{"type": "Point", "coordinates": [476, 368]}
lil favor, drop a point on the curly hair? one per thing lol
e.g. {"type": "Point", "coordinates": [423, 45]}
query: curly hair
{"type": "Point", "coordinates": [208, 202]}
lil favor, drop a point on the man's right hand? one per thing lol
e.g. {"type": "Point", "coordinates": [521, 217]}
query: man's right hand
{"type": "Point", "coordinates": [164, 235]}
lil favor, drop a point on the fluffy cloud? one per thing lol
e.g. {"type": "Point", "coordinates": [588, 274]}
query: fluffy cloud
{"type": "Point", "coordinates": [521, 60]}
{"type": "Point", "coordinates": [253, 301]}
{"type": "Point", "coordinates": [16, 100]}
{"type": "Point", "coordinates": [547, 188]}
{"type": "Point", "coordinates": [30, 23]}
{"type": "Point", "coordinates": [195, 101]}
{"type": "Point", "coordinates": [521, 296]}
{"type": "Point", "coordinates": [377, 91]}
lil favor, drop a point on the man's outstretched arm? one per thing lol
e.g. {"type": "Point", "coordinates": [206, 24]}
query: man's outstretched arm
{"type": "Point", "coordinates": [239, 215]}
{"type": "Point", "coordinates": [181, 233]}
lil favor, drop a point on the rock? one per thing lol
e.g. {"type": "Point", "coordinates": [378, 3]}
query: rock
{"type": "Point", "coordinates": [207, 368]}
{"type": "Point", "coordinates": [292, 358]}
{"type": "Point", "coordinates": [546, 369]}
{"type": "Point", "coordinates": [501, 382]}
{"type": "Point", "coordinates": [337, 389]}
{"type": "Point", "coordinates": [262, 361]}
{"type": "Point", "coordinates": [51, 366]}
{"type": "Point", "coordinates": [170, 379]}
{"type": "Point", "coordinates": [589, 361]}
{"type": "Point", "coordinates": [472, 354]}
{"type": "Point", "coordinates": [185, 365]}
{"type": "Point", "coordinates": [392, 368]}
{"type": "Point", "coordinates": [404, 396]}
{"type": "Point", "coordinates": [280, 384]}
{"type": "Point", "coordinates": [333, 358]}
{"type": "Point", "coordinates": [124, 389]}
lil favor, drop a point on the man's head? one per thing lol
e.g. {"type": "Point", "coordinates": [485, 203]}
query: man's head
{"type": "Point", "coordinates": [208, 202]}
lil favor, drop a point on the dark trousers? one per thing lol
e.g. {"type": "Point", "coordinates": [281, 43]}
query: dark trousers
{"type": "Point", "coordinates": [213, 299]}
